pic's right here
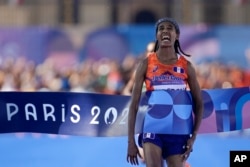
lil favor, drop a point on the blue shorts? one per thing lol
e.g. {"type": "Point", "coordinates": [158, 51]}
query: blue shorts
{"type": "Point", "coordinates": [169, 143]}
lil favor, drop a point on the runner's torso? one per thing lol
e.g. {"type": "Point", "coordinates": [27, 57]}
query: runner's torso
{"type": "Point", "coordinates": [160, 76]}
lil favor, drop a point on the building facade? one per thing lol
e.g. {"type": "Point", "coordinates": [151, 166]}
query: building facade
{"type": "Point", "coordinates": [108, 12]}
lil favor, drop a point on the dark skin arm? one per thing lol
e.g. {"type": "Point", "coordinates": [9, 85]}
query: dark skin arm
{"type": "Point", "coordinates": [198, 106]}
{"type": "Point", "coordinates": [133, 151]}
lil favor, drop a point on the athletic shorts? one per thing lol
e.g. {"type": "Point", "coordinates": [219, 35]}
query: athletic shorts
{"type": "Point", "coordinates": [169, 143]}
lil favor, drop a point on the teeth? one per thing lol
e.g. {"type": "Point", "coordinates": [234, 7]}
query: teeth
{"type": "Point", "coordinates": [166, 37]}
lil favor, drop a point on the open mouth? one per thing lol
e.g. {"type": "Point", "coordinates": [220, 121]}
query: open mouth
{"type": "Point", "coordinates": [165, 38]}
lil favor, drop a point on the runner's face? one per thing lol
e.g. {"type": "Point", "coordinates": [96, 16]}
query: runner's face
{"type": "Point", "coordinates": [166, 34]}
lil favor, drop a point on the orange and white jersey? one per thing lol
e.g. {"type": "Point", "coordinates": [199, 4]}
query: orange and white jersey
{"type": "Point", "coordinates": [160, 76]}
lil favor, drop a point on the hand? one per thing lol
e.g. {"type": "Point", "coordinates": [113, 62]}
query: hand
{"type": "Point", "coordinates": [133, 151]}
{"type": "Point", "coordinates": [189, 148]}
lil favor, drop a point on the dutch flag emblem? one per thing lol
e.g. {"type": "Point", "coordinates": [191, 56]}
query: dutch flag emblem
{"type": "Point", "coordinates": [178, 70]}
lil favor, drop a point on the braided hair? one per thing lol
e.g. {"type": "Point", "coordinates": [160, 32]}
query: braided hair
{"type": "Point", "coordinates": [177, 46]}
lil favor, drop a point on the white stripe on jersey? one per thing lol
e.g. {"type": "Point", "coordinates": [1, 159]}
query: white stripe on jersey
{"type": "Point", "coordinates": [173, 87]}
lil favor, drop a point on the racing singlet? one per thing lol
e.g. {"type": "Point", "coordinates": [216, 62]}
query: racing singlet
{"type": "Point", "coordinates": [169, 105]}
{"type": "Point", "coordinates": [166, 77]}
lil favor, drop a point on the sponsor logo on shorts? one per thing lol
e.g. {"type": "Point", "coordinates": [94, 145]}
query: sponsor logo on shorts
{"type": "Point", "coordinates": [148, 136]}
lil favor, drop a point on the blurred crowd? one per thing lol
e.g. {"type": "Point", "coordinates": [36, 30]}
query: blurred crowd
{"type": "Point", "coordinates": [215, 75]}
{"type": "Point", "coordinates": [102, 76]}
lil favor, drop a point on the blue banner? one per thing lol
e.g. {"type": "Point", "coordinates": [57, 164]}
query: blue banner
{"type": "Point", "coordinates": [89, 114]}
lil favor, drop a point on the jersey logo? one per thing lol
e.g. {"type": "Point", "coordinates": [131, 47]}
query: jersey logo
{"type": "Point", "coordinates": [155, 69]}
{"type": "Point", "coordinates": [178, 70]}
